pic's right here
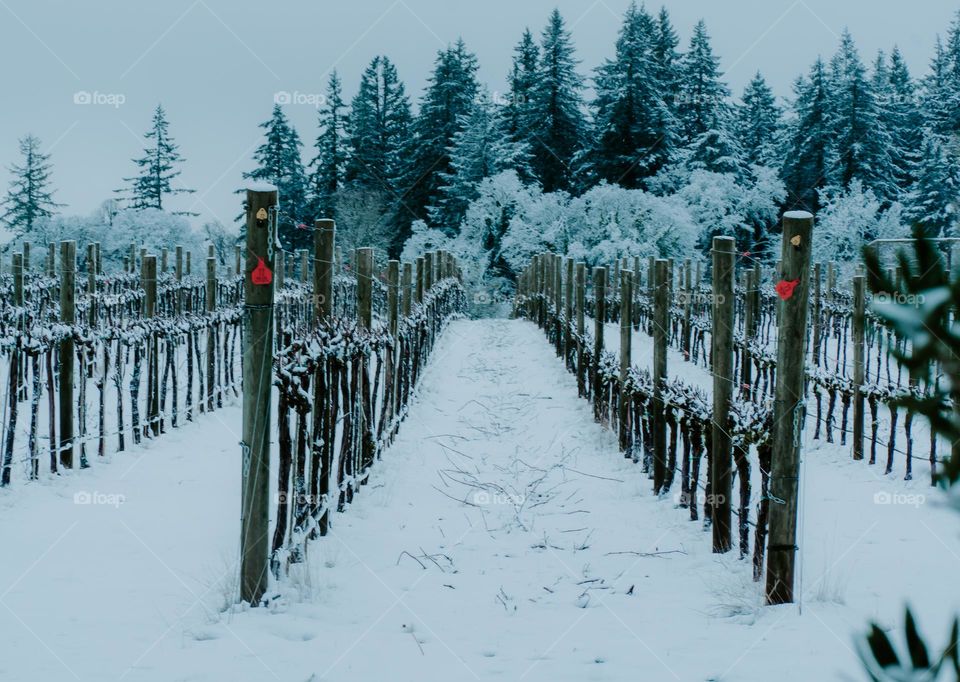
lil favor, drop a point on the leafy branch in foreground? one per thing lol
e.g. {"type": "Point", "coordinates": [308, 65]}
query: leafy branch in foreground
{"type": "Point", "coordinates": [920, 306]}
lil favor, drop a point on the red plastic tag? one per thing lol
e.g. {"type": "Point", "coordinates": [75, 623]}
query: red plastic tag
{"type": "Point", "coordinates": [261, 274]}
{"type": "Point", "coordinates": [785, 288]}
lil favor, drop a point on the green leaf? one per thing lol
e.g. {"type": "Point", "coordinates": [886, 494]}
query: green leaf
{"type": "Point", "coordinates": [883, 652]}
{"type": "Point", "coordinates": [915, 644]}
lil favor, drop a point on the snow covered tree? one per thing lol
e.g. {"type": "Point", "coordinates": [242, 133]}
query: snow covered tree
{"type": "Point", "coordinates": [480, 148]}
{"type": "Point", "coordinates": [932, 200]}
{"type": "Point", "coordinates": [450, 96]}
{"type": "Point", "coordinates": [849, 219]}
{"type": "Point", "coordinates": [703, 96]}
{"type": "Point", "coordinates": [900, 114]}
{"type": "Point", "coordinates": [329, 164]}
{"type": "Point", "coordinates": [667, 60]}
{"type": "Point", "coordinates": [519, 113]}
{"type": "Point", "coordinates": [29, 199]}
{"type": "Point", "coordinates": [379, 130]}
{"type": "Point", "coordinates": [863, 143]}
{"type": "Point", "coordinates": [810, 156]}
{"type": "Point", "coordinates": [557, 133]}
{"type": "Point", "coordinates": [279, 163]}
{"type": "Point", "coordinates": [717, 150]}
{"type": "Point", "coordinates": [758, 123]}
{"type": "Point", "coordinates": [157, 168]}
{"type": "Point", "coordinates": [635, 132]}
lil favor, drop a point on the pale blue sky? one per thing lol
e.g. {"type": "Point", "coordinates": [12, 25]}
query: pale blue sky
{"type": "Point", "coordinates": [216, 65]}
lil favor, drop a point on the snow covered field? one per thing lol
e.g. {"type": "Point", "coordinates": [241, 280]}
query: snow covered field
{"type": "Point", "coordinates": [503, 537]}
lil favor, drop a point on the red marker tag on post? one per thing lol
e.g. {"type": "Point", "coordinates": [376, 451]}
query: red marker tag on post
{"type": "Point", "coordinates": [261, 274]}
{"type": "Point", "coordinates": [785, 288]}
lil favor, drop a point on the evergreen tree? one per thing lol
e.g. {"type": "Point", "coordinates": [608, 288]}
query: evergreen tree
{"type": "Point", "coordinates": [863, 143]}
{"type": "Point", "coordinates": [717, 150]}
{"type": "Point", "coordinates": [703, 95]}
{"type": "Point", "coordinates": [667, 61]}
{"type": "Point", "coordinates": [519, 114]}
{"type": "Point", "coordinates": [450, 96]}
{"type": "Point", "coordinates": [480, 149]}
{"type": "Point", "coordinates": [558, 132]}
{"type": "Point", "coordinates": [329, 164]}
{"type": "Point", "coordinates": [279, 163]}
{"type": "Point", "coordinates": [30, 197]}
{"type": "Point", "coordinates": [634, 128]}
{"type": "Point", "coordinates": [900, 115]}
{"type": "Point", "coordinates": [937, 92]}
{"type": "Point", "coordinates": [758, 123]}
{"type": "Point", "coordinates": [810, 154]}
{"type": "Point", "coordinates": [932, 201]}
{"type": "Point", "coordinates": [157, 168]}
{"type": "Point", "coordinates": [379, 130]}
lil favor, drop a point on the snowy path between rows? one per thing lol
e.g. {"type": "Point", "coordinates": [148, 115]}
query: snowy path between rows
{"type": "Point", "coordinates": [501, 537]}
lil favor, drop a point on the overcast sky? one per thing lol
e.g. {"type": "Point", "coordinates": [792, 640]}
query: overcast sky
{"type": "Point", "coordinates": [216, 65]}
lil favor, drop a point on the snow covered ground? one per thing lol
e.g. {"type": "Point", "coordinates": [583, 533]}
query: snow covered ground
{"type": "Point", "coordinates": [502, 537]}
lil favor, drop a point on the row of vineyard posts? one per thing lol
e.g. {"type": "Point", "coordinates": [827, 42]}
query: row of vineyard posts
{"type": "Point", "coordinates": [66, 329]}
{"type": "Point", "coordinates": [780, 351]}
{"type": "Point", "coordinates": [345, 366]}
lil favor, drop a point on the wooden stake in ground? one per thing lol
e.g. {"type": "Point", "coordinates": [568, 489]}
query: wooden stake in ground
{"type": "Point", "coordinates": [211, 296]}
{"type": "Point", "coordinates": [600, 314]}
{"type": "Point", "coordinates": [626, 336]}
{"type": "Point", "coordinates": [788, 408]}
{"type": "Point", "coordinates": [68, 271]}
{"type": "Point", "coordinates": [258, 285]}
{"type": "Point", "coordinates": [859, 290]}
{"type": "Point", "coordinates": [661, 310]}
{"type": "Point", "coordinates": [149, 276]}
{"type": "Point", "coordinates": [324, 238]}
{"type": "Point", "coordinates": [721, 452]}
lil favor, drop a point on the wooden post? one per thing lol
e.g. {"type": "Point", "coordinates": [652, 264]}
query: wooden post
{"type": "Point", "coordinates": [189, 258]}
{"type": "Point", "coordinates": [859, 302]}
{"type": "Point", "coordinates": [92, 284]}
{"type": "Point", "coordinates": [257, 383]}
{"type": "Point", "coordinates": [324, 238]}
{"type": "Point", "coordinates": [788, 409]}
{"type": "Point", "coordinates": [281, 269]}
{"type": "Point", "coordinates": [661, 320]}
{"type": "Point", "coordinates": [237, 257]}
{"type": "Point", "coordinates": [149, 275]}
{"type": "Point", "coordinates": [721, 453]}
{"type": "Point", "coordinates": [365, 287]}
{"type": "Point", "coordinates": [393, 310]}
{"type": "Point", "coordinates": [600, 314]}
{"type": "Point", "coordinates": [428, 271]}
{"type": "Point", "coordinates": [568, 311]}
{"type": "Point", "coordinates": [68, 270]}
{"type": "Point", "coordinates": [18, 279]}
{"type": "Point", "coordinates": [626, 336]}
{"type": "Point", "coordinates": [304, 266]}
{"type": "Point", "coordinates": [164, 260]}
{"type": "Point", "coordinates": [687, 309]}
{"type": "Point", "coordinates": [407, 284]}
{"type": "Point", "coordinates": [817, 324]}
{"type": "Point", "coordinates": [211, 305]}
{"type": "Point", "coordinates": [26, 256]}
{"type": "Point", "coordinates": [51, 260]}
{"type": "Point", "coordinates": [99, 258]}
{"type": "Point", "coordinates": [421, 276]}
{"type": "Point", "coordinates": [750, 314]}
{"type": "Point", "coordinates": [831, 279]}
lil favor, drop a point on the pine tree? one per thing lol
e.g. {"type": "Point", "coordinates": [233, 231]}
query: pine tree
{"type": "Point", "coordinates": [30, 197]}
{"type": "Point", "coordinates": [932, 201]}
{"type": "Point", "coordinates": [157, 168]}
{"type": "Point", "coordinates": [758, 123]}
{"type": "Point", "coordinates": [810, 154]}
{"type": "Point", "coordinates": [558, 132]}
{"type": "Point", "coordinates": [379, 130]}
{"type": "Point", "coordinates": [703, 96]}
{"type": "Point", "coordinates": [278, 162]}
{"type": "Point", "coordinates": [480, 149]}
{"type": "Point", "coordinates": [329, 164]}
{"type": "Point", "coordinates": [667, 61]}
{"type": "Point", "coordinates": [634, 128]}
{"type": "Point", "coordinates": [900, 115]}
{"type": "Point", "coordinates": [519, 114]}
{"type": "Point", "coordinates": [937, 92]}
{"type": "Point", "coordinates": [717, 150]}
{"type": "Point", "coordinates": [863, 143]}
{"type": "Point", "coordinates": [450, 96]}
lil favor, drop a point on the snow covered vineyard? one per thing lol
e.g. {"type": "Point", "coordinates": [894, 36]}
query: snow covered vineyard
{"type": "Point", "coordinates": [423, 496]}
